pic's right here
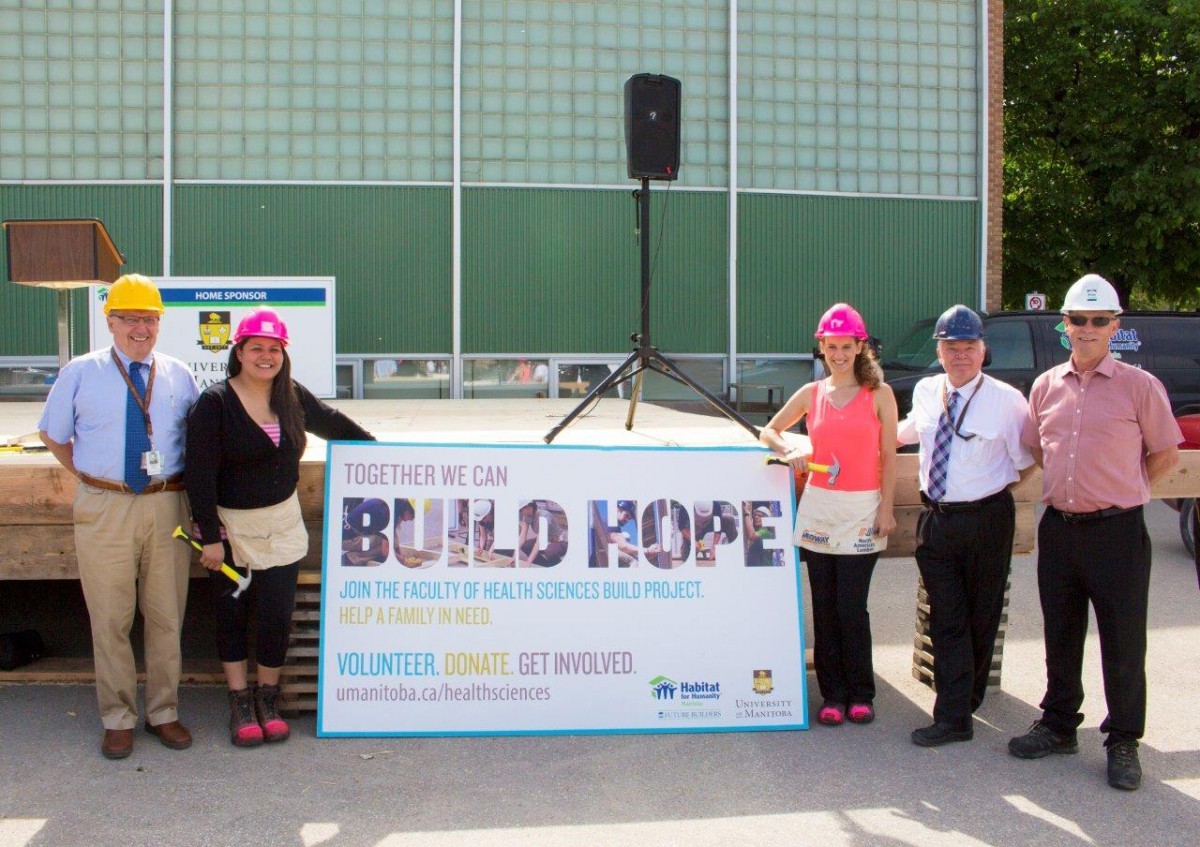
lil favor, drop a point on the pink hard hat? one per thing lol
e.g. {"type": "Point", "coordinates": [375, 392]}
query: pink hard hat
{"type": "Point", "coordinates": [261, 323]}
{"type": "Point", "coordinates": [841, 319]}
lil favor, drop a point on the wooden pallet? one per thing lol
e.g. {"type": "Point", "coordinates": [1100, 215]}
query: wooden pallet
{"type": "Point", "coordinates": [922, 668]}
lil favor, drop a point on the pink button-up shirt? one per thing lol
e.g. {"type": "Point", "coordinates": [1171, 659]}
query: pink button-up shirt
{"type": "Point", "coordinates": [1095, 429]}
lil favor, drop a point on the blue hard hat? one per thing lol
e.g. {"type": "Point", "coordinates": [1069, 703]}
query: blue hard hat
{"type": "Point", "coordinates": [626, 506]}
{"type": "Point", "coordinates": [958, 323]}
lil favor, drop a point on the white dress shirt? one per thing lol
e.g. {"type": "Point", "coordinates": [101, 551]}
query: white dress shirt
{"type": "Point", "coordinates": [980, 466]}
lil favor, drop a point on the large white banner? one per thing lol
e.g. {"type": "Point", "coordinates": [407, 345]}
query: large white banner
{"type": "Point", "coordinates": [201, 314]}
{"type": "Point", "coordinates": [473, 589]}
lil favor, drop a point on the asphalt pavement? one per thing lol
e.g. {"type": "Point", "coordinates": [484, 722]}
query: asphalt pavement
{"type": "Point", "coordinates": [849, 785]}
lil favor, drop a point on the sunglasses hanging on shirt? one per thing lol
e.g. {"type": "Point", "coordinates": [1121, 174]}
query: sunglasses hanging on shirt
{"type": "Point", "coordinates": [957, 425]}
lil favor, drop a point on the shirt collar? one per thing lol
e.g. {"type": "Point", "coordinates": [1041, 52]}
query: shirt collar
{"type": "Point", "coordinates": [125, 360]}
{"type": "Point", "coordinates": [1106, 367]}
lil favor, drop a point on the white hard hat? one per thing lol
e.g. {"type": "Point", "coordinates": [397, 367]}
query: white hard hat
{"type": "Point", "coordinates": [703, 508]}
{"type": "Point", "coordinates": [764, 511]}
{"type": "Point", "coordinates": [482, 509]}
{"type": "Point", "coordinates": [1091, 293]}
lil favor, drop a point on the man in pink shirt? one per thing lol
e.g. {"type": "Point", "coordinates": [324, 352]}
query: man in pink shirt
{"type": "Point", "coordinates": [1103, 432]}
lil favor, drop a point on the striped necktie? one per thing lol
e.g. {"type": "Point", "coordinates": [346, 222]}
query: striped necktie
{"type": "Point", "coordinates": [939, 463]}
{"type": "Point", "coordinates": [137, 441]}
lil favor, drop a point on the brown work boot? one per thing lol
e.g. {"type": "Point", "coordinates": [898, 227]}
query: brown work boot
{"type": "Point", "coordinates": [172, 734]}
{"type": "Point", "coordinates": [266, 701]}
{"type": "Point", "coordinates": [117, 743]}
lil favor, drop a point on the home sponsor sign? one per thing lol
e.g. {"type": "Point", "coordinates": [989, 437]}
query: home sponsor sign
{"type": "Point", "coordinates": [201, 314]}
{"type": "Point", "coordinates": [471, 589]}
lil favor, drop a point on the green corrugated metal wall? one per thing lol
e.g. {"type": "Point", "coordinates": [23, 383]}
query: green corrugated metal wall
{"type": "Point", "coordinates": [132, 214]}
{"type": "Point", "coordinates": [544, 270]}
{"type": "Point", "coordinates": [559, 271]}
{"type": "Point", "coordinates": [388, 247]}
{"type": "Point", "coordinates": [896, 260]}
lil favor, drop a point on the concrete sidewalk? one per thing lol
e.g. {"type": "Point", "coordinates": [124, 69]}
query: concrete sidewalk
{"type": "Point", "coordinates": [846, 786]}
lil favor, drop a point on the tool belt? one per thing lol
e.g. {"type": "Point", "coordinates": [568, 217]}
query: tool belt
{"type": "Point", "coordinates": [963, 505]}
{"type": "Point", "coordinates": [173, 484]}
{"type": "Point", "coordinates": [1088, 517]}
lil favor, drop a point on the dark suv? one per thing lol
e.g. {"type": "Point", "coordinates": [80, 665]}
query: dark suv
{"type": "Point", "coordinates": [1021, 345]}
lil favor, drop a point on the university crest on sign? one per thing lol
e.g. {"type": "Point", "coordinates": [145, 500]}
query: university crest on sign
{"type": "Point", "coordinates": [763, 684]}
{"type": "Point", "coordinates": [214, 331]}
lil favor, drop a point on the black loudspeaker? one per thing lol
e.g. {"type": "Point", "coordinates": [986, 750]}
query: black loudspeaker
{"type": "Point", "coordinates": [652, 126]}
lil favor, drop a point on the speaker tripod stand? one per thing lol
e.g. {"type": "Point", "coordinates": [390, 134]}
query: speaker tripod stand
{"type": "Point", "coordinates": [645, 357]}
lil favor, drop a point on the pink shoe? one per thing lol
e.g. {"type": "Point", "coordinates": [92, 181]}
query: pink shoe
{"type": "Point", "coordinates": [831, 714]}
{"type": "Point", "coordinates": [861, 713]}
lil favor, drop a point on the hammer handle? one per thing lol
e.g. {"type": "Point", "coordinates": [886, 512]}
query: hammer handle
{"type": "Point", "coordinates": [225, 569]}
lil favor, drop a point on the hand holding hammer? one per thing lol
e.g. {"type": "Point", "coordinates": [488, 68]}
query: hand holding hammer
{"type": "Point", "coordinates": [243, 582]}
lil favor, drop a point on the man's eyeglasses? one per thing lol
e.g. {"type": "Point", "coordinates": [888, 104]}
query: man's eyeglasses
{"type": "Point", "coordinates": [131, 321]}
{"type": "Point", "coordinates": [1097, 321]}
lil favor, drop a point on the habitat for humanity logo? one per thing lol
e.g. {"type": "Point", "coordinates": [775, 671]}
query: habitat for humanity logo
{"type": "Point", "coordinates": [662, 688]}
{"type": "Point", "coordinates": [690, 693]}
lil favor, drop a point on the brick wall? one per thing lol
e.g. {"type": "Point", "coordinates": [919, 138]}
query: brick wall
{"type": "Point", "coordinates": [995, 141]}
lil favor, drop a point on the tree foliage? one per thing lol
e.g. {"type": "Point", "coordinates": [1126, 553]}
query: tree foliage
{"type": "Point", "coordinates": [1102, 148]}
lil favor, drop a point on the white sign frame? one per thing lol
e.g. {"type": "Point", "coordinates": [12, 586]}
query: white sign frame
{"type": "Point", "coordinates": [306, 304]}
{"type": "Point", "coordinates": [411, 645]}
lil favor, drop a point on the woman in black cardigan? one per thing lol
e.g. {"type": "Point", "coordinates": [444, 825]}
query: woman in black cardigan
{"type": "Point", "coordinates": [245, 437]}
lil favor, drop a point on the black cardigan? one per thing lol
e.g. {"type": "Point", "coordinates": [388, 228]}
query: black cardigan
{"type": "Point", "coordinates": [232, 462]}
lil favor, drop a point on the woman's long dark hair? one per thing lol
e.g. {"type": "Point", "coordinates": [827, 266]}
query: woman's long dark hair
{"type": "Point", "coordinates": [285, 402]}
{"type": "Point", "coordinates": [866, 368]}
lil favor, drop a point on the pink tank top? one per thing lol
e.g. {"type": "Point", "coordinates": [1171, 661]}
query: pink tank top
{"type": "Point", "coordinates": [848, 437]}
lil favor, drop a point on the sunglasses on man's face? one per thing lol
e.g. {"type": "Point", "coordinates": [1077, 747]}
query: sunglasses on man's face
{"type": "Point", "coordinates": [1080, 320]}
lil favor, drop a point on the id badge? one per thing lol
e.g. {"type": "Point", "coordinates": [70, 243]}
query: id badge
{"type": "Point", "coordinates": [152, 462]}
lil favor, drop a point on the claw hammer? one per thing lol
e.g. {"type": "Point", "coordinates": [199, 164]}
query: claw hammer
{"type": "Point", "coordinates": [831, 471]}
{"type": "Point", "coordinates": [243, 582]}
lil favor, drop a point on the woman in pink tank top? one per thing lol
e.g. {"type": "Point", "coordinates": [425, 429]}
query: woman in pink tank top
{"type": "Point", "coordinates": [845, 513]}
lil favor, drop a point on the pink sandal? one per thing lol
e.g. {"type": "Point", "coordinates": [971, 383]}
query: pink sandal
{"type": "Point", "coordinates": [831, 714]}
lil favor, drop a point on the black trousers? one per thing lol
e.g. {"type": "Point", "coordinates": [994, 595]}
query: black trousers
{"type": "Point", "coordinates": [842, 625]}
{"type": "Point", "coordinates": [272, 596]}
{"type": "Point", "coordinates": [964, 559]}
{"type": "Point", "coordinates": [1107, 563]}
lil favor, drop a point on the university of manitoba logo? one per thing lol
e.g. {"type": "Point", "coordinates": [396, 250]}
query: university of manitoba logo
{"type": "Point", "coordinates": [662, 688]}
{"type": "Point", "coordinates": [763, 683]}
{"type": "Point", "coordinates": [214, 331]}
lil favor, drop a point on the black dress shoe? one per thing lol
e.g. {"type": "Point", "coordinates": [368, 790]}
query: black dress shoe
{"type": "Point", "coordinates": [939, 734]}
{"type": "Point", "coordinates": [1124, 769]}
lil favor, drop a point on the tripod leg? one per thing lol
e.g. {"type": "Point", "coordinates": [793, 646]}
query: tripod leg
{"type": "Point", "coordinates": [608, 382]}
{"type": "Point", "coordinates": [637, 392]}
{"type": "Point", "coordinates": [663, 365]}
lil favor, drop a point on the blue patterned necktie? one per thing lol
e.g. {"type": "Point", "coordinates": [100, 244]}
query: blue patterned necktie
{"type": "Point", "coordinates": [939, 464]}
{"type": "Point", "coordinates": [137, 441]}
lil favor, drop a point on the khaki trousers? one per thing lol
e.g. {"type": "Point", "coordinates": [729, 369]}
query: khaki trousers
{"type": "Point", "coordinates": [129, 559]}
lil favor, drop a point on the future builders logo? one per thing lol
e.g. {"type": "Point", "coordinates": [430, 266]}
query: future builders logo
{"type": "Point", "coordinates": [665, 688]}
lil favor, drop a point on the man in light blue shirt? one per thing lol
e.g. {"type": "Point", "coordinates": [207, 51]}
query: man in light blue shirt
{"type": "Point", "coordinates": [115, 420]}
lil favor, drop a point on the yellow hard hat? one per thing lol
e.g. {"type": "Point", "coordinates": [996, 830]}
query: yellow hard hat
{"type": "Point", "coordinates": [134, 292]}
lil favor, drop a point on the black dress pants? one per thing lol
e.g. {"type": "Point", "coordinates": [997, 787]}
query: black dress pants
{"type": "Point", "coordinates": [842, 625]}
{"type": "Point", "coordinates": [1107, 563]}
{"type": "Point", "coordinates": [964, 559]}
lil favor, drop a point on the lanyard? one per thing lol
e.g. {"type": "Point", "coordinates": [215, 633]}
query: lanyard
{"type": "Point", "coordinates": [957, 425]}
{"type": "Point", "coordinates": [143, 403]}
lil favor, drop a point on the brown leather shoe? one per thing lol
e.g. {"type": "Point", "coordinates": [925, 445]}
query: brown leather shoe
{"type": "Point", "coordinates": [173, 734]}
{"type": "Point", "coordinates": [117, 743]}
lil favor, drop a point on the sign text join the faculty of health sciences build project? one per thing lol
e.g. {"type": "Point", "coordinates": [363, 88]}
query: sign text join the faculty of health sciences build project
{"type": "Point", "coordinates": [471, 589]}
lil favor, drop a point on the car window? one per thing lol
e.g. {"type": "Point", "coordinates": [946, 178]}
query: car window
{"type": "Point", "coordinates": [1176, 341]}
{"type": "Point", "coordinates": [1010, 344]}
{"type": "Point", "coordinates": [1129, 345]}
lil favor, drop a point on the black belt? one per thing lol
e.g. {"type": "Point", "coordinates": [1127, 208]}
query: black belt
{"type": "Point", "coordinates": [1088, 517]}
{"type": "Point", "coordinates": [963, 505]}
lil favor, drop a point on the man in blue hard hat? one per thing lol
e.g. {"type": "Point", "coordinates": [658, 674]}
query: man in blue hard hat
{"type": "Point", "coordinates": [969, 429]}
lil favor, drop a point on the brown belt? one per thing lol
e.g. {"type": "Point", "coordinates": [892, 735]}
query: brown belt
{"type": "Point", "coordinates": [172, 484]}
